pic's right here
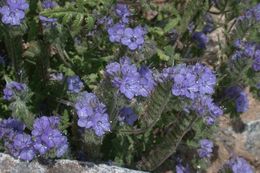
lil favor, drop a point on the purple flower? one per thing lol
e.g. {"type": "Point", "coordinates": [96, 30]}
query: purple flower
{"type": "Point", "coordinates": [13, 88]}
{"type": "Point", "coordinates": [206, 148]}
{"type": "Point", "coordinates": [116, 32]}
{"type": "Point", "coordinates": [18, 4]}
{"type": "Point", "coordinates": [237, 55]}
{"type": "Point", "coordinates": [181, 169]}
{"type": "Point", "coordinates": [129, 86]}
{"type": "Point", "coordinates": [146, 81]}
{"type": "Point", "coordinates": [46, 21]}
{"type": "Point", "coordinates": [129, 80]}
{"type": "Point", "coordinates": [106, 21]}
{"type": "Point", "coordinates": [240, 165]}
{"type": "Point", "coordinates": [206, 108]}
{"type": "Point", "coordinates": [191, 81]}
{"type": "Point", "coordinates": [47, 4]}
{"type": "Point", "coordinates": [242, 102]}
{"type": "Point", "coordinates": [127, 115]}
{"type": "Point", "coordinates": [22, 145]}
{"type": "Point", "coordinates": [256, 11]}
{"type": "Point", "coordinates": [206, 79]}
{"type": "Point", "coordinates": [13, 13]}
{"type": "Point", "coordinates": [236, 93]}
{"type": "Point", "coordinates": [201, 39]}
{"type": "Point", "coordinates": [9, 127]}
{"type": "Point", "coordinates": [184, 84]}
{"type": "Point", "coordinates": [47, 136]}
{"type": "Point", "coordinates": [75, 85]}
{"type": "Point", "coordinates": [256, 64]}
{"type": "Point", "coordinates": [133, 38]}
{"type": "Point", "coordinates": [123, 12]}
{"type": "Point", "coordinates": [249, 49]}
{"type": "Point", "coordinates": [92, 114]}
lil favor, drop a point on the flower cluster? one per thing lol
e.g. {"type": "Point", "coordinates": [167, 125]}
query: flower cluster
{"type": "Point", "coordinates": [92, 113]}
{"type": "Point", "coordinates": [192, 81]}
{"type": "Point", "coordinates": [14, 11]}
{"type": "Point", "coordinates": [204, 107]}
{"type": "Point", "coordinates": [127, 115]}
{"type": "Point", "coordinates": [239, 165]}
{"type": "Point", "coordinates": [45, 137]}
{"type": "Point", "coordinates": [206, 148]}
{"type": "Point", "coordinates": [247, 50]}
{"type": "Point", "coordinates": [75, 85]}
{"type": "Point", "coordinates": [12, 89]}
{"type": "Point", "coordinates": [46, 21]}
{"type": "Point", "coordinates": [123, 12]}
{"type": "Point", "coordinates": [133, 38]}
{"type": "Point", "coordinates": [129, 80]}
{"type": "Point", "coordinates": [18, 143]}
{"type": "Point", "coordinates": [236, 93]}
{"type": "Point", "coordinates": [195, 82]}
{"type": "Point", "coordinates": [253, 13]}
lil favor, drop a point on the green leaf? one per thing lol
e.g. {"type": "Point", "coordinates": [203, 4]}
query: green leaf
{"type": "Point", "coordinates": [169, 144]}
{"type": "Point", "coordinates": [172, 23]}
{"type": "Point", "coordinates": [155, 105]}
{"type": "Point", "coordinates": [162, 55]}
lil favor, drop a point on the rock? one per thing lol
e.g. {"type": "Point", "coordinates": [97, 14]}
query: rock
{"type": "Point", "coordinates": [245, 144]}
{"type": "Point", "coordinates": [8, 164]}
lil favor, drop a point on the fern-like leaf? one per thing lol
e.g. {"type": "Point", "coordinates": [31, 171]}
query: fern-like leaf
{"type": "Point", "coordinates": [155, 105]}
{"type": "Point", "coordinates": [66, 14]}
{"type": "Point", "coordinates": [168, 146]}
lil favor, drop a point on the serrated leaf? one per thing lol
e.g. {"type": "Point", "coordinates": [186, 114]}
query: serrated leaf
{"type": "Point", "coordinates": [168, 146]}
{"type": "Point", "coordinates": [155, 105]}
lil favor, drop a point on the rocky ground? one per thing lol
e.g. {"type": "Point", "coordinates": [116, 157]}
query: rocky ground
{"type": "Point", "coordinates": [240, 138]}
{"type": "Point", "coordinates": [10, 165]}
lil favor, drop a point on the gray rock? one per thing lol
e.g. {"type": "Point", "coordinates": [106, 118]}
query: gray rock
{"type": "Point", "coordinates": [8, 164]}
{"type": "Point", "coordinates": [253, 138]}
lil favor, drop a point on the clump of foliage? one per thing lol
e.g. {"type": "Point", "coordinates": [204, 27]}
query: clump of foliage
{"type": "Point", "coordinates": [130, 82]}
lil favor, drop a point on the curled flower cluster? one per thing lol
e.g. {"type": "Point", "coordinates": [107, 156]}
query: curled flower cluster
{"type": "Point", "coordinates": [129, 80]}
{"type": "Point", "coordinates": [133, 38]}
{"type": "Point", "coordinates": [12, 89]}
{"type": "Point", "coordinates": [192, 81]}
{"type": "Point", "coordinates": [206, 148]}
{"type": "Point", "coordinates": [239, 165]}
{"type": "Point", "coordinates": [46, 21]}
{"type": "Point", "coordinates": [247, 50]}
{"type": "Point", "coordinates": [206, 108]}
{"type": "Point", "coordinates": [45, 137]}
{"type": "Point", "coordinates": [195, 82]}
{"type": "Point", "coordinates": [236, 93]}
{"type": "Point", "coordinates": [92, 113]}
{"type": "Point", "coordinates": [75, 85]}
{"type": "Point", "coordinates": [253, 13]}
{"type": "Point", "coordinates": [14, 11]}
{"type": "Point", "coordinates": [18, 143]}
{"type": "Point", "coordinates": [127, 115]}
